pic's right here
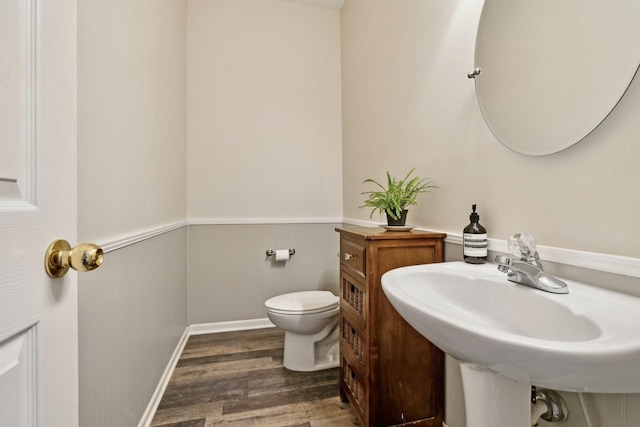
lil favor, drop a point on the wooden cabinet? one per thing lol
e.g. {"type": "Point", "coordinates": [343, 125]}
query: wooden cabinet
{"type": "Point", "coordinates": [390, 373]}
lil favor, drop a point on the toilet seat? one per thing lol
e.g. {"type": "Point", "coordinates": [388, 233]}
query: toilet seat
{"type": "Point", "coordinates": [301, 303]}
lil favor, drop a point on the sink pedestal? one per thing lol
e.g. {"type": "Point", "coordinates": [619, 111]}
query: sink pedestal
{"type": "Point", "coordinates": [492, 400]}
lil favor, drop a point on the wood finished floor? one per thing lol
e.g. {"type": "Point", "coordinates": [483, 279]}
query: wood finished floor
{"type": "Point", "coordinates": [237, 379]}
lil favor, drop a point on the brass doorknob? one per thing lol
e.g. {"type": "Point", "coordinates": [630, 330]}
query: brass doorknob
{"type": "Point", "coordinates": [60, 256]}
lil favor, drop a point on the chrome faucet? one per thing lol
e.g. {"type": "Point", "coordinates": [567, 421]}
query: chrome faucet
{"type": "Point", "coordinates": [528, 270]}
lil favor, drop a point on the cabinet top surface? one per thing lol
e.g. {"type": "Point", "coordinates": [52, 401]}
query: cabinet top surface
{"type": "Point", "coordinates": [378, 233]}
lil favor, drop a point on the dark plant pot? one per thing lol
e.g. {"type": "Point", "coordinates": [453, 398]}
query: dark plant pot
{"type": "Point", "coordinates": [400, 222]}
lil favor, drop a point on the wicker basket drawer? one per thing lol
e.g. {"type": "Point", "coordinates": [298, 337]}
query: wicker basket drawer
{"type": "Point", "coordinates": [355, 385]}
{"type": "Point", "coordinates": [353, 339]}
{"type": "Point", "coordinates": [353, 294]}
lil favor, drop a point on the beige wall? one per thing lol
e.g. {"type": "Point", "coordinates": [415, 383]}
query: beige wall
{"type": "Point", "coordinates": [132, 117]}
{"type": "Point", "coordinates": [264, 148]}
{"type": "Point", "coordinates": [264, 137]}
{"type": "Point", "coordinates": [407, 102]}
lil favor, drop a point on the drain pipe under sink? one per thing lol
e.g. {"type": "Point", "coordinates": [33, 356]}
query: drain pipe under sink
{"type": "Point", "coordinates": [548, 405]}
{"type": "Point", "coordinates": [538, 409]}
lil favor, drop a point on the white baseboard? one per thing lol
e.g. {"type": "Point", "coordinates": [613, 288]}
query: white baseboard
{"type": "Point", "coordinates": [147, 417]}
{"type": "Point", "coordinates": [234, 325]}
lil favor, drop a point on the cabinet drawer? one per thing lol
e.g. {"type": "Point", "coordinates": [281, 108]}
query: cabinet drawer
{"type": "Point", "coordinates": [355, 385]}
{"type": "Point", "coordinates": [353, 339]}
{"type": "Point", "coordinates": [352, 255]}
{"type": "Point", "coordinates": [354, 295]}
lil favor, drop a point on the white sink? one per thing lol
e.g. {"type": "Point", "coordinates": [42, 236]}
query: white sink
{"type": "Point", "coordinates": [586, 340]}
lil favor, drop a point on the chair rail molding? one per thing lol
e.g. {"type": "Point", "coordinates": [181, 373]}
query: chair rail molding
{"type": "Point", "coordinates": [123, 241]}
{"type": "Point", "coordinates": [615, 264]}
{"type": "Point", "coordinates": [263, 221]}
{"type": "Point", "coordinates": [137, 237]}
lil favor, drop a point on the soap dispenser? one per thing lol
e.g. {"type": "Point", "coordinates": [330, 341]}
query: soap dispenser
{"type": "Point", "coordinates": [474, 240]}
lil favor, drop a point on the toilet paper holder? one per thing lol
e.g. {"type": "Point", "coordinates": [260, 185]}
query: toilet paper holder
{"type": "Point", "coordinates": [271, 252]}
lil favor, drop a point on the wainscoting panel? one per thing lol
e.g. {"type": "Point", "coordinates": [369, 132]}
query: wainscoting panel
{"type": "Point", "coordinates": [132, 313]}
{"type": "Point", "coordinates": [603, 410]}
{"type": "Point", "coordinates": [230, 276]}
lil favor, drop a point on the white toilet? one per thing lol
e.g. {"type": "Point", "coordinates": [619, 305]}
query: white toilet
{"type": "Point", "coordinates": [310, 322]}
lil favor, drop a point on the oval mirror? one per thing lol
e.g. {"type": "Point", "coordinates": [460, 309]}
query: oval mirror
{"type": "Point", "coordinates": [552, 70]}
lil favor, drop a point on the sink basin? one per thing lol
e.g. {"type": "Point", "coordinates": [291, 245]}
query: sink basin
{"type": "Point", "coordinates": [587, 340]}
{"type": "Point", "coordinates": [508, 336]}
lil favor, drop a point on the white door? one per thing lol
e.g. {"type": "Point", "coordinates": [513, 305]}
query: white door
{"type": "Point", "coordinates": [38, 204]}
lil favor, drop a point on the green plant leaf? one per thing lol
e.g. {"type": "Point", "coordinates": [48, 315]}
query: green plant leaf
{"type": "Point", "coordinates": [397, 195]}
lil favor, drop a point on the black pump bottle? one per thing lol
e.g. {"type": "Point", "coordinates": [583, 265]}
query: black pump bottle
{"type": "Point", "coordinates": [474, 239]}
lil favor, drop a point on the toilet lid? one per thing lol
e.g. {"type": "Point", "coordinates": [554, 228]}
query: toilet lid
{"type": "Point", "coordinates": [303, 302]}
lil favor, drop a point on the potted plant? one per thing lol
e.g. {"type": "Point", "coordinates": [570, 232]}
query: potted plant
{"type": "Point", "coordinates": [394, 199]}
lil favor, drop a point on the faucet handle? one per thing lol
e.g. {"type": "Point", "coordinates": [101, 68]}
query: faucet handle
{"type": "Point", "coordinates": [523, 245]}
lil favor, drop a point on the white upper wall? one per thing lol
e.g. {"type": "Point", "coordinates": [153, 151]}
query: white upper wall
{"type": "Point", "coordinates": [407, 102]}
{"type": "Point", "coordinates": [264, 127]}
{"type": "Point", "coordinates": [264, 132]}
{"type": "Point", "coordinates": [132, 118]}
{"type": "Point", "coordinates": [334, 4]}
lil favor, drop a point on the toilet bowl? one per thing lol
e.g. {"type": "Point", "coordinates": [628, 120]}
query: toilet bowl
{"type": "Point", "coordinates": [310, 323]}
